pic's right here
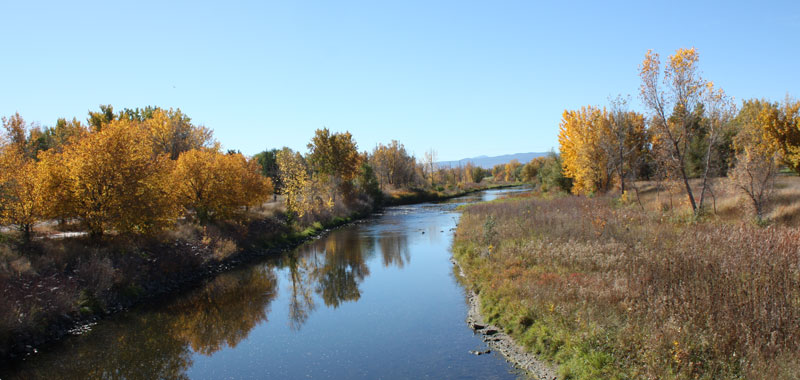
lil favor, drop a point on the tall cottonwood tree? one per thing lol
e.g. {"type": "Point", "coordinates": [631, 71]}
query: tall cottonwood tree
{"type": "Point", "coordinates": [674, 101]}
{"type": "Point", "coordinates": [580, 137]}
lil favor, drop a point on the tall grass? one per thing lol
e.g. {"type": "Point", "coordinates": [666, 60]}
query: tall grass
{"type": "Point", "coordinates": [613, 291]}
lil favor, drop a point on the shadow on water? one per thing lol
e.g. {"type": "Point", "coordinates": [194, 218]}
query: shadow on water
{"type": "Point", "coordinates": [168, 339]}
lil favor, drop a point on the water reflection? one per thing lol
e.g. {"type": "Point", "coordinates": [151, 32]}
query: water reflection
{"type": "Point", "coordinates": [333, 267]}
{"type": "Point", "coordinates": [156, 344]}
{"type": "Point", "coordinates": [225, 311]}
{"type": "Point", "coordinates": [301, 301]}
{"type": "Point", "coordinates": [394, 249]}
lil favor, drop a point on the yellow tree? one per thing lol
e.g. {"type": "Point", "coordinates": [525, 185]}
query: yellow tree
{"type": "Point", "coordinates": [580, 136]}
{"type": "Point", "coordinates": [673, 101]}
{"type": "Point", "coordinates": [172, 132]}
{"type": "Point", "coordinates": [21, 189]}
{"type": "Point", "coordinates": [56, 185]}
{"type": "Point", "coordinates": [782, 130]}
{"type": "Point", "coordinates": [116, 182]}
{"type": "Point", "coordinates": [393, 165]}
{"type": "Point", "coordinates": [511, 170]}
{"type": "Point", "coordinates": [215, 186]}
{"type": "Point", "coordinates": [756, 154]}
{"type": "Point", "coordinates": [294, 178]}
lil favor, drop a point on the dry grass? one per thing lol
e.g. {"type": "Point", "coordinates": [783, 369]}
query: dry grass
{"type": "Point", "coordinates": [725, 203]}
{"type": "Point", "coordinates": [613, 291]}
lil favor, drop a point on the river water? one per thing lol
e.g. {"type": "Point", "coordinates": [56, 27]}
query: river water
{"type": "Point", "coordinates": [374, 300]}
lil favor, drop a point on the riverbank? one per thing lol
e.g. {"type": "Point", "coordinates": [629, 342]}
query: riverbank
{"type": "Point", "coordinates": [93, 286]}
{"type": "Point", "coordinates": [499, 341]}
{"type": "Point", "coordinates": [606, 290]}
{"type": "Point", "coordinates": [63, 285]}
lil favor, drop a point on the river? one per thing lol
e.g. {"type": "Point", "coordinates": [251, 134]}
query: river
{"type": "Point", "coordinates": [377, 299]}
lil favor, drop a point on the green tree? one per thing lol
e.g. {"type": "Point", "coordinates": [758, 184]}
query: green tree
{"type": "Point", "coordinates": [268, 160]}
{"type": "Point", "coordinates": [335, 158]}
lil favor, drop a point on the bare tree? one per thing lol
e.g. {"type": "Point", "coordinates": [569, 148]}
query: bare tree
{"type": "Point", "coordinates": [627, 141]}
{"type": "Point", "coordinates": [719, 109]}
{"type": "Point", "coordinates": [430, 165]}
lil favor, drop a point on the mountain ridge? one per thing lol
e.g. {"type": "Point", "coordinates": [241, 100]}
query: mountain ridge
{"type": "Point", "coordinates": [488, 162]}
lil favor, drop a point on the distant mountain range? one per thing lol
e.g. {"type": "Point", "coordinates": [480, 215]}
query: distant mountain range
{"type": "Point", "coordinates": [488, 162]}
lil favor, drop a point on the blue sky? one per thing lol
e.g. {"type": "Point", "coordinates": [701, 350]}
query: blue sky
{"type": "Point", "coordinates": [464, 78]}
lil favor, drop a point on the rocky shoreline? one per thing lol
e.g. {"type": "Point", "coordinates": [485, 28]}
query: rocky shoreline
{"type": "Point", "coordinates": [501, 342]}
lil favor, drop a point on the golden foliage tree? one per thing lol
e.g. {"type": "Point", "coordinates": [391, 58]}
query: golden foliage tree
{"type": "Point", "coordinates": [511, 170]}
{"type": "Point", "coordinates": [173, 133]}
{"type": "Point", "coordinates": [393, 165]}
{"type": "Point", "coordinates": [294, 178]}
{"type": "Point", "coordinates": [581, 134]}
{"type": "Point", "coordinates": [115, 181]}
{"type": "Point", "coordinates": [782, 129]}
{"type": "Point", "coordinates": [756, 154]}
{"type": "Point", "coordinates": [21, 190]}
{"type": "Point", "coordinates": [335, 155]}
{"type": "Point", "coordinates": [674, 101]}
{"type": "Point", "coordinates": [215, 185]}
{"type": "Point", "coordinates": [56, 184]}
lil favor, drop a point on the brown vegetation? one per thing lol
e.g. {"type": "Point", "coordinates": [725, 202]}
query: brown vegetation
{"type": "Point", "coordinates": [610, 290]}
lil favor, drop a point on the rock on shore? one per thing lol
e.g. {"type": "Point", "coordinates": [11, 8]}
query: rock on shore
{"type": "Point", "coordinates": [498, 340]}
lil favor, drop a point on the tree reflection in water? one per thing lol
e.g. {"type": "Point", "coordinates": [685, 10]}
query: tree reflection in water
{"type": "Point", "coordinates": [394, 249]}
{"type": "Point", "coordinates": [333, 267]}
{"type": "Point", "coordinates": [301, 302]}
{"type": "Point", "coordinates": [155, 344]}
{"type": "Point", "coordinates": [225, 311]}
{"type": "Point", "coordinates": [336, 266]}
{"type": "Point", "coordinates": [159, 343]}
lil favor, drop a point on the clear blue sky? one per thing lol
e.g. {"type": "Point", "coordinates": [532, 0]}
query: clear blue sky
{"type": "Point", "coordinates": [464, 78]}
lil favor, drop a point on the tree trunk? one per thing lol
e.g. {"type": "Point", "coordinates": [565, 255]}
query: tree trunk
{"type": "Point", "coordinates": [688, 188]}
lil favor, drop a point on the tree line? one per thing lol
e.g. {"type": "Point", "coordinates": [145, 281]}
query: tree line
{"type": "Point", "coordinates": [691, 130]}
{"type": "Point", "coordinates": [138, 171]}
{"type": "Point", "coordinates": [135, 171]}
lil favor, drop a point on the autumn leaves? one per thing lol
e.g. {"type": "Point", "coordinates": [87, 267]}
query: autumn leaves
{"type": "Point", "coordinates": [132, 172]}
{"type": "Point", "coordinates": [692, 130]}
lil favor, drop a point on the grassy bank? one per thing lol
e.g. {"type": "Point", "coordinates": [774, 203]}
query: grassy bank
{"type": "Point", "coordinates": [609, 290]}
{"type": "Point", "coordinates": [56, 283]}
